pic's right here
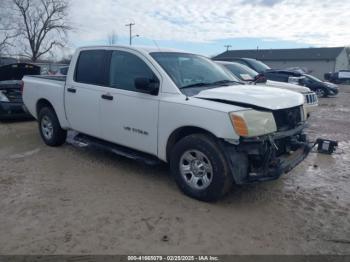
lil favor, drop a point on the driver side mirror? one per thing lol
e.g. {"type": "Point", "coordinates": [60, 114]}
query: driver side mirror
{"type": "Point", "coordinates": [260, 79]}
{"type": "Point", "coordinates": [147, 85]}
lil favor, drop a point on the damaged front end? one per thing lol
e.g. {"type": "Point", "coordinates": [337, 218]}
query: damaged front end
{"type": "Point", "coordinates": [266, 157]}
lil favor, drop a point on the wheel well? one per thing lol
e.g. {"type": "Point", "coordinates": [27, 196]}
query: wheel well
{"type": "Point", "coordinates": [182, 132]}
{"type": "Point", "coordinates": [42, 103]}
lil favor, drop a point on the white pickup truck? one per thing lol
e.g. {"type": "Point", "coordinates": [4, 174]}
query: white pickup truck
{"type": "Point", "coordinates": [176, 107]}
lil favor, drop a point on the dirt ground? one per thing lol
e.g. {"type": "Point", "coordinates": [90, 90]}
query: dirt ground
{"type": "Point", "coordinates": [71, 200]}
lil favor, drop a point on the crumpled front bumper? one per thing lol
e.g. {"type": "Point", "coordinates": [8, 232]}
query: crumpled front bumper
{"type": "Point", "coordinates": [266, 158]}
{"type": "Point", "coordinates": [282, 165]}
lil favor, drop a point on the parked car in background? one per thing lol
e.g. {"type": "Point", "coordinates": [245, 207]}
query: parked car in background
{"type": "Point", "coordinates": [321, 88]}
{"type": "Point", "coordinates": [249, 76]}
{"type": "Point", "coordinates": [341, 77]}
{"type": "Point", "coordinates": [11, 103]}
{"type": "Point", "coordinates": [176, 107]}
{"type": "Point", "coordinates": [254, 64]}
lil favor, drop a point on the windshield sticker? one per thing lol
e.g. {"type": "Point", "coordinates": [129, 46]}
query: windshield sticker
{"type": "Point", "coordinates": [246, 77]}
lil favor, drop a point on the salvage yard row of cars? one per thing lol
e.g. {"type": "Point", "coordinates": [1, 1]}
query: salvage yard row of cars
{"type": "Point", "coordinates": [215, 123]}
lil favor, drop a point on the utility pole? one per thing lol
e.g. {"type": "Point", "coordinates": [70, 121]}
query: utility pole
{"type": "Point", "coordinates": [227, 47]}
{"type": "Point", "coordinates": [130, 32]}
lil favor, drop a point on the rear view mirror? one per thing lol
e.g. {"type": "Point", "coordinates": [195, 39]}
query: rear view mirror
{"type": "Point", "coordinates": [147, 85]}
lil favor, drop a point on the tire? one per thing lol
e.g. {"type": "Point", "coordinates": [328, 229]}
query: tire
{"type": "Point", "coordinates": [216, 177]}
{"type": "Point", "coordinates": [321, 92]}
{"type": "Point", "coordinates": [50, 128]}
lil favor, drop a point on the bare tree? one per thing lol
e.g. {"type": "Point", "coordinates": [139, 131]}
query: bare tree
{"type": "Point", "coordinates": [112, 38]}
{"type": "Point", "coordinates": [4, 40]}
{"type": "Point", "coordinates": [43, 25]}
{"type": "Point", "coordinates": [7, 27]}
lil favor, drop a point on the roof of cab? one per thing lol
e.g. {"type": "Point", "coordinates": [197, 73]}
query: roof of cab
{"type": "Point", "coordinates": [147, 49]}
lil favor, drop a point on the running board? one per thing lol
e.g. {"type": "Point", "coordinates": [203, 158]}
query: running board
{"type": "Point", "coordinates": [82, 140]}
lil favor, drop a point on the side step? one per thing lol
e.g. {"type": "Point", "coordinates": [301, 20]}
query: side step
{"type": "Point", "coordinates": [82, 140]}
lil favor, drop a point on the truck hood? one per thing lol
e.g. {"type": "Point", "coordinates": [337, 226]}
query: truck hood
{"type": "Point", "coordinates": [256, 96]}
{"type": "Point", "coordinates": [288, 86]}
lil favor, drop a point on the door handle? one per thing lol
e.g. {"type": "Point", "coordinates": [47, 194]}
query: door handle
{"type": "Point", "coordinates": [71, 90]}
{"type": "Point", "coordinates": [107, 97]}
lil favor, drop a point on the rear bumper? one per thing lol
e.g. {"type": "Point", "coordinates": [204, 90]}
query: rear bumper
{"type": "Point", "coordinates": [266, 158]}
{"type": "Point", "coordinates": [10, 110]}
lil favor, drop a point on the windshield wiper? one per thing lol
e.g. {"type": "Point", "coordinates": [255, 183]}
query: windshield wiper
{"type": "Point", "coordinates": [196, 85]}
{"type": "Point", "coordinates": [223, 82]}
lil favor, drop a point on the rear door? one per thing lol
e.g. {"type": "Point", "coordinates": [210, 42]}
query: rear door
{"type": "Point", "coordinates": [83, 93]}
{"type": "Point", "coordinates": [129, 117]}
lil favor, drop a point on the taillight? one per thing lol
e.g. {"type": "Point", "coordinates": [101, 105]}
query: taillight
{"type": "Point", "coordinates": [21, 86]}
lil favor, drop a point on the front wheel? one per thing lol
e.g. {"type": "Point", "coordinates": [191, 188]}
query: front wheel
{"type": "Point", "coordinates": [50, 128]}
{"type": "Point", "coordinates": [200, 168]}
{"type": "Point", "coordinates": [321, 92]}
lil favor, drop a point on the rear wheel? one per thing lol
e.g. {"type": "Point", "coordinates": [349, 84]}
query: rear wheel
{"type": "Point", "coordinates": [200, 168]}
{"type": "Point", "coordinates": [50, 128]}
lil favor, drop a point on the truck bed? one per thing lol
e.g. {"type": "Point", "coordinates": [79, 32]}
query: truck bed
{"type": "Point", "coordinates": [44, 88]}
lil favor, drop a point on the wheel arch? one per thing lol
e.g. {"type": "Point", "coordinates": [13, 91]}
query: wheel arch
{"type": "Point", "coordinates": [42, 102]}
{"type": "Point", "coordinates": [182, 132]}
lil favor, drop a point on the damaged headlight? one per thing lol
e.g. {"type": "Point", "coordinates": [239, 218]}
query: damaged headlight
{"type": "Point", "coordinates": [3, 97]}
{"type": "Point", "coordinates": [250, 123]}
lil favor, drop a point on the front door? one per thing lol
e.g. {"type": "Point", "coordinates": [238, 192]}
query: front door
{"type": "Point", "coordinates": [129, 116]}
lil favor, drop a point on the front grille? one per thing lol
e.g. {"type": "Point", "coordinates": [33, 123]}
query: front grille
{"type": "Point", "coordinates": [13, 95]}
{"type": "Point", "coordinates": [311, 98]}
{"type": "Point", "coordinates": [289, 118]}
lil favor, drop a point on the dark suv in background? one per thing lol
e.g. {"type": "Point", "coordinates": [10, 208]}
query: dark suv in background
{"type": "Point", "coordinates": [11, 103]}
{"type": "Point", "coordinates": [321, 88]}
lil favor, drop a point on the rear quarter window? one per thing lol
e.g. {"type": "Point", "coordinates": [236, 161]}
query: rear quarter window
{"type": "Point", "coordinates": [91, 67]}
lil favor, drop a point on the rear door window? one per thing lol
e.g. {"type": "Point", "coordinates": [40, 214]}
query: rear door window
{"type": "Point", "coordinates": [91, 67]}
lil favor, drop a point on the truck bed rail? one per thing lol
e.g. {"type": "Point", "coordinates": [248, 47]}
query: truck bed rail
{"type": "Point", "coordinates": [56, 78]}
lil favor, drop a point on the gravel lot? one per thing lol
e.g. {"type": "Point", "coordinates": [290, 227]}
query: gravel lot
{"type": "Point", "coordinates": [71, 200]}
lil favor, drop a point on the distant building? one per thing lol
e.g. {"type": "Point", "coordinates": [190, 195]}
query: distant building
{"type": "Point", "coordinates": [316, 61]}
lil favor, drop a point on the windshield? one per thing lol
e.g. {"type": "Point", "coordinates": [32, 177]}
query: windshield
{"type": "Point", "coordinates": [192, 73]}
{"type": "Point", "coordinates": [241, 71]}
{"type": "Point", "coordinates": [258, 66]}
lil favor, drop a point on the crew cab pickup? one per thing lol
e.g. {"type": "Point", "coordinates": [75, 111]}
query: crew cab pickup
{"type": "Point", "coordinates": [176, 107]}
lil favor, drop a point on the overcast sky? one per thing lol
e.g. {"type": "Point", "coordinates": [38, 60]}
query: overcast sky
{"type": "Point", "coordinates": [204, 26]}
